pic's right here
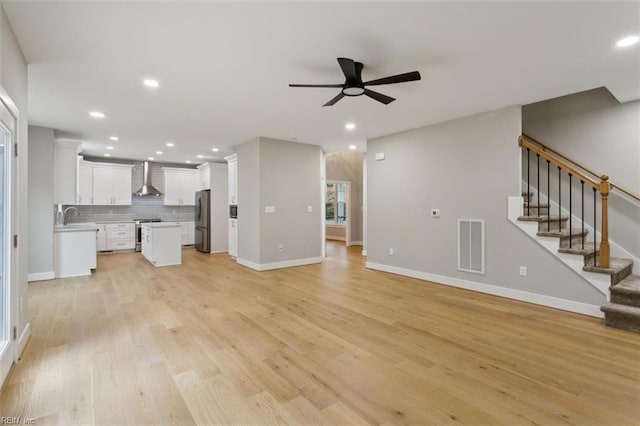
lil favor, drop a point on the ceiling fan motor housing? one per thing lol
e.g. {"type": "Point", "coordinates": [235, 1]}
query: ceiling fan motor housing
{"type": "Point", "coordinates": [354, 86]}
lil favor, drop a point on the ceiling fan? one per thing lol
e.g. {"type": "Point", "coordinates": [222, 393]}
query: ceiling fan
{"type": "Point", "coordinates": [353, 85]}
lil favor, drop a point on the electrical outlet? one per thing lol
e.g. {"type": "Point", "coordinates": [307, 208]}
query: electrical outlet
{"type": "Point", "coordinates": [523, 271]}
{"type": "Point", "coordinates": [391, 252]}
{"type": "Point", "coordinates": [280, 248]}
{"type": "Point", "coordinates": [309, 209]}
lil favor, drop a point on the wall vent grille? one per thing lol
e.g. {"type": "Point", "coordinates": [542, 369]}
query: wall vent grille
{"type": "Point", "coordinates": [471, 246]}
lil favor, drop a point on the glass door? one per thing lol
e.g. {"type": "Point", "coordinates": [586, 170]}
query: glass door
{"type": "Point", "coordinates": [7, 317]}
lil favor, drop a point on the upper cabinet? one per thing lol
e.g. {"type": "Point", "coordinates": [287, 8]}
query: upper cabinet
{"type": "Point", "coordinates": [65, 171]}
{"type": "Point", "coordinates": [232, 161]}
{"type": "Point", "coordinates": [204, 176]}
{"type": "Point", "coordinates": [180, 186]}
{"type": "Point", "coordinates": [103, 184]}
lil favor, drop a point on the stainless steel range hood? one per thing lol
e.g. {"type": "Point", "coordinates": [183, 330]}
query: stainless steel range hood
{"type": "Point", "coordinates": [147, 189]}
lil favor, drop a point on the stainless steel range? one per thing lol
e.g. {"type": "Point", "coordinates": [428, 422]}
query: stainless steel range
{"type": "Point", "coordinates": [139, 223]}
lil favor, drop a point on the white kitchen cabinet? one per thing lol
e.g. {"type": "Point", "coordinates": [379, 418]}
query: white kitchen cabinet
{"type": "Point", "coordinates": [204, 176]}
{"type": "Point", "coordinates": [74, 250]}
{"type": "Point", "coordinates": [65, 165]}
{"type": "Point", "coordinates": [232, 161]}
{"type": "Point", "coordinates": [84, 184]}
{"type": "Point", "coordinates": [161, 243]}
{"type": "Point", "coordinates": [187, 232]}
{"type": "Point", "coordinates": [101, 237]}
{"type": "Point", "coordinates": [121, 236]}
{"type": "Point", "coordinates": [180, 186]}
{"type": "Point", "coordinates": [233, 237]}
{"type": "Point", "coordinates": [112, 184]}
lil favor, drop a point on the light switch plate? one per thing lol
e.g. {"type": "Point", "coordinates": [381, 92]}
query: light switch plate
{"type": "Point", "coordinates": [309, 209]}
{"type": "Point", "coordinates": [379, 156]}
{"type": "Point", "coordinates": [269, 209]}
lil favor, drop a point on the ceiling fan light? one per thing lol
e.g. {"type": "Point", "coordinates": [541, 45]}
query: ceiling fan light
{"type": "Point", "coordinates": [353, 91]}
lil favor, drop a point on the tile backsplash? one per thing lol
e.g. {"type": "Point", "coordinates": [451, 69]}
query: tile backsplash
{"type": "Point", "coordinates": [141, 207]}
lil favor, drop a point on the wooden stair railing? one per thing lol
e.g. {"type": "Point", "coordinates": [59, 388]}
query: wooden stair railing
{"type": "Point", "coordinates": [599, 183]}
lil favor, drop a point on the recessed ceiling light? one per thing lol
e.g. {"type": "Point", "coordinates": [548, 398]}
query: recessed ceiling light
{"type": "Point", "coordinates": [169, 144]}
{"type": "Point", "coordinates": [107, 155]}
{"type": "Point", "coordinates": [215, 150]}
{"type": "Point", "coordinates": [109, 147]}
{"type": "Point", "coordinates": [200, 156]}
{"type": "Point", "coordinates": [350, 126]}
{"type": "Point", "coordinates": [114, 138]}
{"type": "Point", "coordinates": [159, 152]}
{"type": "Point", "coordinates": [188, 161]}
{"type": "Point", "coordinates": [150, 158]}
{"type": "Point", "coordinates": [149, 82]}
{"type": "Point", "coordinates": [627, 41]}
{"type": "Point", "coordinates": [97, 114]}
{"type": "Point", "coordinates": [353, 147]}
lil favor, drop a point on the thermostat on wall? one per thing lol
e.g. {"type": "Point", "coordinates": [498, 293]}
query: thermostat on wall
{"type": "Point", "coordinates": [435, 212]}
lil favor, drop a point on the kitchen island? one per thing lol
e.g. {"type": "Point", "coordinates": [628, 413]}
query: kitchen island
{"type": "Point", "coordinates": [162, 243]}
{"type": "Point", "coordinates": [74, 249]}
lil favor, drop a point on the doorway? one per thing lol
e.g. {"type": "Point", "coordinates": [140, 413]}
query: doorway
{"type": "Point", "coordinates": [8, 287]}
{"type": "Point", "coordinates": [338, 211]}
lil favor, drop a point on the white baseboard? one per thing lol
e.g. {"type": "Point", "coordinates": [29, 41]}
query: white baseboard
{"type": "Point", "coordinates": [329, 237]}
{"type": "Point", "coordinates": [524, 296]}
{"type": "Point", "coordinates": [356, 243]}
{"type": "Point", "coordinates": [219, 251]}
{"type": "Point", "coordinates": [24, 338]}
{"type": "Point", "coordinates": [41, 276]}
{"type": "Point", "coordinates": [278, 265]}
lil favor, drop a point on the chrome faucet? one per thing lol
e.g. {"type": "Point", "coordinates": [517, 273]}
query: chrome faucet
{"type": "Point", "coordinates": [64, 214]}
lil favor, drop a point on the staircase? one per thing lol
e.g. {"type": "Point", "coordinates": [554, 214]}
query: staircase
{"type": "Point", "coordinates": [623, 311]}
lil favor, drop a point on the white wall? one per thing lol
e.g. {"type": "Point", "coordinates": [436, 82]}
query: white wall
{"type": "Point", "coordinates": [347, 166]}
{"type": "Point", "coordinates": [604, 135]}
{"type": "Point", "coordinates": [286, 176]}
{"type": "Point", "coordinates": [466, 168]}
{"type": "Point", "coordinates": [41, 189]}
{"type": "Point", "coordinates": [13, 78]}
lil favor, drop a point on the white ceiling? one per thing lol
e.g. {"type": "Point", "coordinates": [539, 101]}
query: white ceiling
{"type": "Point", "coordinates": [224, 67]}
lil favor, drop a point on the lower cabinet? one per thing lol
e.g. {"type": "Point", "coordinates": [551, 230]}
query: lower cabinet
{"type": "Point", "coordinates": [233, 237]}
{"type": "Point", "coordinates": [116, 236]}
{"type": "Point", "coordinates": [187, 232]}
{"type": "Point", "coordinates": [160, 244]}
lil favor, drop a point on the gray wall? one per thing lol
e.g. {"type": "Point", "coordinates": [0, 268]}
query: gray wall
{"type": "Point", "coordinates": [220, 209]}
{"type": "Point", "coordinates": [285, 175]}
{"type": "Point", "coordinates": [41, 189]}
{"type": "Point", "coordinates": [249, 201]}
{"type": "Point", "coordinates": [347, 166]}
{"type": "Point", "coordinates": [13, 78]}
{"type": "Point", "coordinates": [466, 168]}
{"type": "Point", "coordinates": [604, 135]}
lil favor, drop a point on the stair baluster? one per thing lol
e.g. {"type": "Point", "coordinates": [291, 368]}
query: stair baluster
{"type": "Point", "coordinates": [528, 183]}
{"type": "Point", "coordinates": [570, 215]}
{"type": "Point", "coordinates": [595, 258]}
{"type": "Point", "coordinates": [582, 213]}
{"type": "Point", "coordinates": [538, 155]}
{"type": "Point", "coordinates": [559, 195]}
{"type": "Point", "coordinates": [548, 197]}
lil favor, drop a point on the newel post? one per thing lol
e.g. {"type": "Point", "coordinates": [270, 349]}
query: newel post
{"type": "Point", "coordinates": [605, 251]}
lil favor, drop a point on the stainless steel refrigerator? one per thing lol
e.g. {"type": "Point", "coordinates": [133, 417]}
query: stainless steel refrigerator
{"type": "Point", "coordinates": [202, 240]}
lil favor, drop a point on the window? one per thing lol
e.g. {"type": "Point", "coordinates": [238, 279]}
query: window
{"type": "Point", "coordinates": [336, 204]}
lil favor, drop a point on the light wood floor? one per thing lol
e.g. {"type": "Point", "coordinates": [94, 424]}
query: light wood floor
{"type": "Point", "coordinates": [211, 342]}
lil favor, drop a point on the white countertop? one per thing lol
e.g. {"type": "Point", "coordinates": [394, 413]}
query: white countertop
{"type": "Point", "coordinates": [161, 225]}
{"type": "Point", "coordinates": [76, 227]}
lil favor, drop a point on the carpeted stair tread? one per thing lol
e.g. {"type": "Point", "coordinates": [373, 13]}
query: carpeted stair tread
{"type": "Point", "coordinates": [631, 284]}
{"type": "Point", "coordinates": [616, 265]}
{"type": "Point", "coordinates": [578, 249]}
{"type": "Point", "coordinates": [624, 317]}
{"type": "Point", "coordinates": [562, 233]}
{"type": "Point", "coordinates": [545, 218]}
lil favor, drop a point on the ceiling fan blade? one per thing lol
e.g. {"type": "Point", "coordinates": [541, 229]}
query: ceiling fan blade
{"type": "Point", "coordinates": [348, 69]}
{"type": "Point", "coordinates": [334, 100]}
{"type": "Point", "coordinates": [379, 96]}
{"type": "Point", "coordinates": [400, 78]}
{"type": "Point", "coordinates": [336, 86]}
